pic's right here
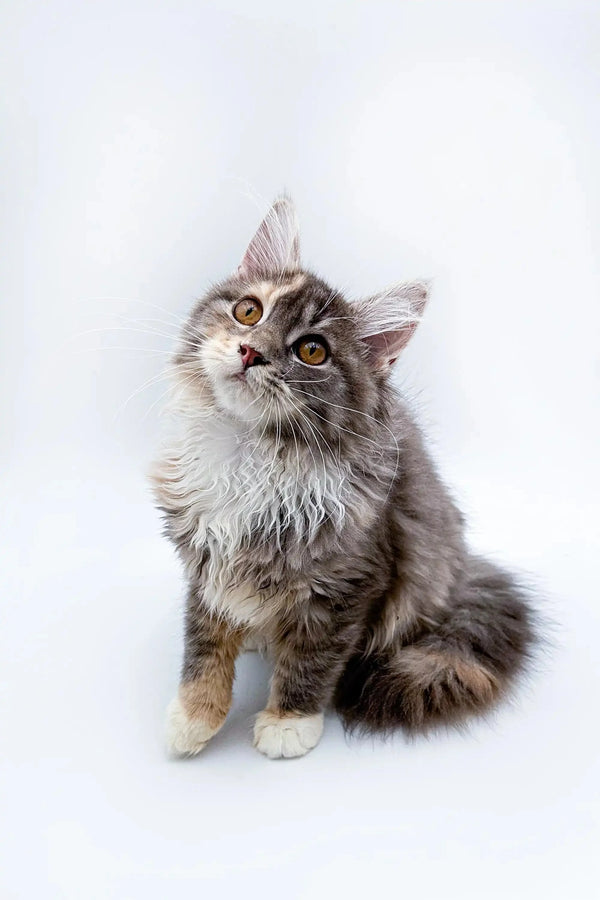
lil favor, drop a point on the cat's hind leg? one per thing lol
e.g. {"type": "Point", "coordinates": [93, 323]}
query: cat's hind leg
{"type": "Point", "coordinates": [458, 667]}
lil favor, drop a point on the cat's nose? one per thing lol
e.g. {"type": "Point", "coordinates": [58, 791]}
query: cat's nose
{"type": "Point", "coordinates": [251, 357]}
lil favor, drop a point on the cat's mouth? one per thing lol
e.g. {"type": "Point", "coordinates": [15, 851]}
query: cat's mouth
{"type": "Point", "coordinates": [242, 377]}
{"type": "Point", "coordinates": [244, 394]}
{"type": "Point", "coordinates": [245, 386]}
{"type": "Point", "coordinates": [249, 376]}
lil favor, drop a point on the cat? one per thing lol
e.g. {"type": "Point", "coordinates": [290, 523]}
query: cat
{"type": "Point", "coordinates": [309, 515]}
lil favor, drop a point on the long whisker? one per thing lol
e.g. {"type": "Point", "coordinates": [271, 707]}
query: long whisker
{"type": "Point", "coordinates": [308, 380]}
{"type": "Point", "coordinates": [348, 409]}
{"type": "Point", "coordinates": [291, 424]}
{"type": "Point", "coordinates": [109, 329]}
{"type": "Point", "coordinates": [125, 300]}
{"type": "Point", "coordinates": [265, 412]}
{"type": "Point", "coordinates": [158, 400]}
{"type": "Point", "coordinates": [315, 435]}
{"type": "Point", "coordinates": [301, 430]}
{"type": "Point", "coordinates": [239, 497]}
{"type": "Point", "coordinates": [277, 437]}
{"type": "Point", "coordinates": [131, 320]}
{"type": "Point", "coordinates": [154, 350]}
{"type": "Point", "coordinates": [359, 412]}
{"type": "Point", "coordinates": [341, 427]}
{"type": "Point", "coordinates": [194, 377]}
{"type": "Point", "coordinates": [337, 464]}
{"type": "Point", "coordinates": [155, 379]}
{"type": "Point", "coordinates": [187, 330]}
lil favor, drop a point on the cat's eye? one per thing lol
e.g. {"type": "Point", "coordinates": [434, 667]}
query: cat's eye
{"type": "Point", "coordinates": [311, 350]}
{"type": "Point", "coordinates": [248, 311]}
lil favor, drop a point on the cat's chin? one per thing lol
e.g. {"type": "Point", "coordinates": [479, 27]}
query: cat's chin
{"type": "Point", "coordinates": [236, 397]}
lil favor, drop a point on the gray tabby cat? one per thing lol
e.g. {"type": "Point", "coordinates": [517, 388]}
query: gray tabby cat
{"type": "Point", "coordinates": [309, 515]}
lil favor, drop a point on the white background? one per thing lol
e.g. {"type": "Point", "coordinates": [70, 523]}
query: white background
{"type": "Point", "coordinates": [141, 144]}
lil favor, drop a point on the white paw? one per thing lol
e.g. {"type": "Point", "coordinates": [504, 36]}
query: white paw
{"type": "Point", "coordinates": [186, 736]}
{"type": "Point", "coordinates": [286, 736]}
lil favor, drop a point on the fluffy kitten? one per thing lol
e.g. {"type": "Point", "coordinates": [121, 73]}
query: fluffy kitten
{"type": "Point", "coordinates": [308, 514]}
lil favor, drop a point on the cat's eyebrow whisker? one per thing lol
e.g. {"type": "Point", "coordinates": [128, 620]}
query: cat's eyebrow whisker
{"type": "Point", "coordinates": [334, 319]}
{"type": "Point", "coordinates": [326, 304]}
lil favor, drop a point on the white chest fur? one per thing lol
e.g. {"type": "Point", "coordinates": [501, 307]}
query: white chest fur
{"type": "Point", "coordinates": [228, 489]}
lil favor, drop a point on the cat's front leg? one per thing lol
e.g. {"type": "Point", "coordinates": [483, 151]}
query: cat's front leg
{"type": "Point", "coordinates": [308, 661]}
{"type": "Point", "coordinates": [204, 696]}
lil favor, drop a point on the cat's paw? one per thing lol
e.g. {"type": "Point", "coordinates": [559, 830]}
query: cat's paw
{"type": "Point", "coordinates": [186, 736]}
{"type": "Point", "coordinates": [288, 735]}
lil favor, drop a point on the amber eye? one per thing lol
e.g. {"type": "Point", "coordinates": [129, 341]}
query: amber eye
{"type": "Point", "coordinates": [248, 311]}
{"type": "Point", "coordinates": [311, 350]}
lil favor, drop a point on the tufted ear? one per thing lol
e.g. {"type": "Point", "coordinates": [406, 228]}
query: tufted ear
{"type": "Point", "coordinates": [276, 245]}
{"type": "Point", "coordinates": [387, 320]}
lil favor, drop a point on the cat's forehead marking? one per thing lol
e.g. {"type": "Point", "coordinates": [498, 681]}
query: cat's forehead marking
{"type": "Point", "coordinates": [269, 292]}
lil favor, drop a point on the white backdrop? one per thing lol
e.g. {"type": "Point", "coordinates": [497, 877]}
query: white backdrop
{"type": "Point", "coordinates": [142, 143]}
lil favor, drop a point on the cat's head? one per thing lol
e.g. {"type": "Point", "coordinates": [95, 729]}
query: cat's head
{"type": "Point", "coordinates": [277, 346]}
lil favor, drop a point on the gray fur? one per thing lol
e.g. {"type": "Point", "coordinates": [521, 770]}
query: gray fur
{"type": "Point", "coordinates": [326, 529]}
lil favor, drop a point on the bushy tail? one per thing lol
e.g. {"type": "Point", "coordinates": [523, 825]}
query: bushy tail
{"type": "Point", "coordinates": [456, 668]}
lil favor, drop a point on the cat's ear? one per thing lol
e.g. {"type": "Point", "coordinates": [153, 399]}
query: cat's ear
{"type": "Point", "coordinates": [276, 245]}
{"type": "Point", "coordinates": [387, 320]}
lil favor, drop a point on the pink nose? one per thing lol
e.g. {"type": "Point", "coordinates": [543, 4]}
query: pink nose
{"type": "Point", "coordinates": [250, 356]}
